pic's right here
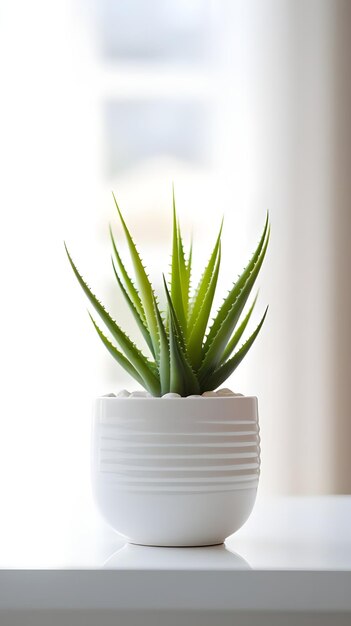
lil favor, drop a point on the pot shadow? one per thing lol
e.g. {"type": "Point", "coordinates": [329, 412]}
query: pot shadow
{"type": "Point", "coordinates": [136, 557]}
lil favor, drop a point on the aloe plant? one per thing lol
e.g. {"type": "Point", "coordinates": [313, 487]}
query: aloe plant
{"type": "Point", "coordinates": [188, 354]}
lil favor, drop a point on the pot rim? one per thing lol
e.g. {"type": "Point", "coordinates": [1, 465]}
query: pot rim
{"type": "Point", "coordinates": [188, 398]}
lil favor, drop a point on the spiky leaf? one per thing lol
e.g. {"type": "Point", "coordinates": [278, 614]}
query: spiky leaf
{"type": "Point", "coordinates": [182, 377]}
{"type": "Point", "coordinates": [177, 269]}
{"type": "Point", "coordinates": [242, 290]}
{"type": "Point", "coordinates": [216, 378]}
{"type": "Point", "coordinates": [184, 272]}
{"type": "Point", "coordinates": [231, 345]}
{"type": "Point", "coordinates": [172, 310]}
{"type": "Point", "coordinates": [188, 266]}
{"type": "Point", "coordinates": [129, 285]}
{"type": "Point", "coordinates": [117, 355]}
{"type": "Point", "coordinates": [164, 358]}
{"type": "Point", "coordinates": [204, 283]}
{"type": "Point", "coordinates": [237, 287]}
{"type": "Point", "coordinates": [145, 287]}
{"type": "Point", "coordinates": [143, 366]}
{"type": "Point", "coordinates": [198, 329]}
{"type": "Point", "coordinates": [138, 319]}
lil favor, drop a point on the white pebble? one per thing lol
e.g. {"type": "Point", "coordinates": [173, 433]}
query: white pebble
{"type": "Point", "coordinates": [209, 394]}
{"type": "Point", "coordinates": [109, 395]}
{"type": "Point", "coordinates": [138, 394]}
{"type": "Point", "coordinates": [123, 394]}
{"type": "Point", "coordinates": [225, 392]}
{"type": "Point", "coordinates": [195, 395]}
{"type": "Point", "coordinates": [171, 395]}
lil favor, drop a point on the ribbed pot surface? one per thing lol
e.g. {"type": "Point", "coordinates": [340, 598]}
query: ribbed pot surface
{"type": "Point", "coordinates": [176, 471]}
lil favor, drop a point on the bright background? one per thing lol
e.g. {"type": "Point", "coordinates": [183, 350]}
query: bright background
{"type": "Point", "coordinates": [245, 105]}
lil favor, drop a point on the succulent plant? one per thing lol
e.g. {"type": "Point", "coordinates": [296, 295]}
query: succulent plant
{"type": "Point", "coordinates": [187, 357]}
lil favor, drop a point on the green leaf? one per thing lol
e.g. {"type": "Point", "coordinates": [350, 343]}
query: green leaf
{"type": "Point", "coordinates": [172, 310]}
{"type": "Point", "coordinates": [143, 366]}
{"type": "Point", "coordinates": [216, 378]}
{"type": "Point", "coordinates": [178, 263]}
{"type": "Point", "coordinates": [145, 287]}
{"type": "Point", "coordinates": [199, 327]}
{"type": "Point", "coordinates": [238, 334]}
{"type": "Point", "coordinates": [117, 355]}
{"type": "Point", "coordinates": [135, 313]}
{"type": "Point", "coordinates": [237, 287]}
{"type": "Point", "coordinates": [130, 287]}
{"type": "Point", "coordinates": [164, 360]}
{"type": "Point", "coordinates": [188, 271]}
{"type": "Point", "coordinates": [215, 349]}
{"type": "Point", "coordinates": [204, 283]}
{"type": "Point", "coordinates": [182, 377]}
{"type": "Point", "coordinates": [184, 272]}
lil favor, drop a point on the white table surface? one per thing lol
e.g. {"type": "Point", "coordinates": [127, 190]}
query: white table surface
{"type": "Point", "coordinates": [293, 554]}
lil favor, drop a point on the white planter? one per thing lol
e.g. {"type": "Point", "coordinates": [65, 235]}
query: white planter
{"type": "Point", "coordinates": [175, 471]}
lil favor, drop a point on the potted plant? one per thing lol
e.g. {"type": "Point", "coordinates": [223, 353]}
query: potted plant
{"type": "Point", "coordinates": [177, 464]}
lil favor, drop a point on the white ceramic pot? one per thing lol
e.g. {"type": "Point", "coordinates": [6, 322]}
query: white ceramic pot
{"type": "Point", "coordinates": [175, 471]}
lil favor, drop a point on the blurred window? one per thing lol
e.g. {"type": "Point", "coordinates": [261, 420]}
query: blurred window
{"type": "Point", "coordinates": [140, 130]}
{"type": "Point", "coordinates": [161, 30]}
